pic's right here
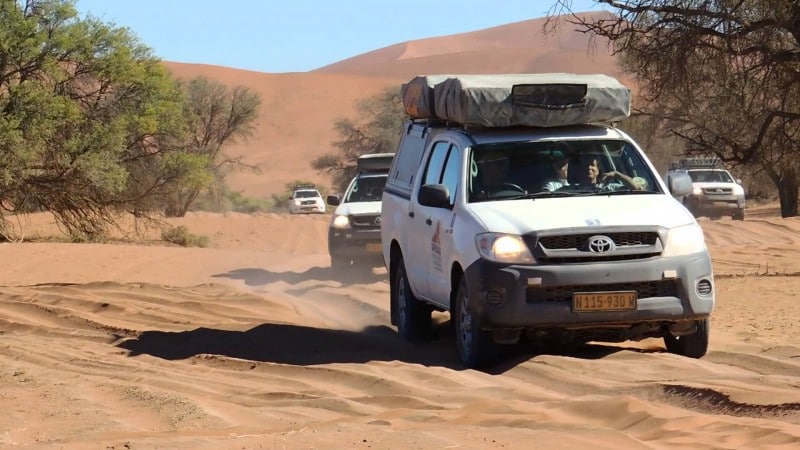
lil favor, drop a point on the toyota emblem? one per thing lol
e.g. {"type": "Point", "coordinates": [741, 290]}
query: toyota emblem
{"type": "Point", "coordinates": [601, 244]}
{"type": "Point", "coordinates": [378, 220]}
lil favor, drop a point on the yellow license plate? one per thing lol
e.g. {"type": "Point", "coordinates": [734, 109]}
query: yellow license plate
{"type": "Point", "coordinates": [604, 301]}
{"type": "Point", "coordinates": [373, 247]}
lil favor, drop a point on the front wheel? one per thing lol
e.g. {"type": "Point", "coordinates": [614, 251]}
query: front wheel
{"type": "Point", "coordinates": [476, 348]}
{"type": "Point", "coordinates": [413, 317]}
{"type": "Point", "coordinates": [692, 345]}
{"type": "Point", "coordinates": [738, 214]}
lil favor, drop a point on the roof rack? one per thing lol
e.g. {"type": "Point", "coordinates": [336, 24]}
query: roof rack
{"type": "Point", "coordinates": [375, 162]}
{"type": "Point", "coordinates": [700, 162]}
{"type": "Point", "coordinates": [304, 186]}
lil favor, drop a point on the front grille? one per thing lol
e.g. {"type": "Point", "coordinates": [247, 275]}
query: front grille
{"type": "Point", "coordinates": [579, 241]}
{"type": "Point", "coordinates": [559, 294]}
{"type": "Point", "coordinates": [558, 248]}
{"type": "Point", "coordinates": [307, 202]}
{"type": "Point", "coordinates": [718, 191]}
{"type": "Point", "coordinates": [366, 221]}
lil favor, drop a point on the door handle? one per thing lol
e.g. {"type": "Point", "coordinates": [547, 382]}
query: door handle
{"type": "Point", "coordinates": [429, 221]}
{"type": "Point", "coordinates": [411, 214]}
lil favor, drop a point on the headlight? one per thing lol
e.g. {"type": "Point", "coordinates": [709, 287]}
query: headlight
{"type": "Point", "coordinates": [297, 203]}
{"type": "Point", "coordinates": [697, 190]}
{"type": "Point", "coordinates": [505, 248]}
{"type": "Point", "coordinates": [684, 240]}
{"type": "Point", "coordinates": [340, 221]}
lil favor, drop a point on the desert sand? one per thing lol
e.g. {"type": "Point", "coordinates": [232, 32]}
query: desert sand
{"type": "Point", "coordinates": [254, 342]}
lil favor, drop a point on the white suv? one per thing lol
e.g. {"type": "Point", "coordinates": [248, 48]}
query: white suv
{"type": "Point", "coordinates": [354, 232]}
{"type": "Point", "coordinates": [576, 238]}
{"type": "Point", "coordinates": [715, 192]}
{"type": "Point", "coordinates": [306, 199]}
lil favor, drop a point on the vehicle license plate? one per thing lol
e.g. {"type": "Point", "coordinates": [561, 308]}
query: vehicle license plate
{"type": "Point", "coordinates": [374, 247]}
{"type": "Point", "coordinates": [604, 301]}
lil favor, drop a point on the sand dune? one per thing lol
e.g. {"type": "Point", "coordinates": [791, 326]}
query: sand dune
{"type": "Point", "coordinates": [299, 110]}
{"type": "Point", "coordinates": [256, 342]}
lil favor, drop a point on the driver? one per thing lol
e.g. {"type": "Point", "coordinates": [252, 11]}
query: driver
{"type": "Point", "coordinates": [492, 173]}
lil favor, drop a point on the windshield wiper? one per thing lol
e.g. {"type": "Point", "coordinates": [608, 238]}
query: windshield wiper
{"type": "Point", "coordinates": [542, 194]}
{"type": "Point", "coordinates": [627, 191]}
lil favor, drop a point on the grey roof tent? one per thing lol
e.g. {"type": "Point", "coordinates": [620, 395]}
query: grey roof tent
{"type": "Point", "coordinates": [504, 100]}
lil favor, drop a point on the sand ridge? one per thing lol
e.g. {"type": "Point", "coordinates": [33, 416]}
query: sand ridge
{"type": "Point", "coordinates": [256, 341]}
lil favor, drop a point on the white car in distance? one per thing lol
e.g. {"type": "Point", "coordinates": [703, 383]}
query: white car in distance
{"type": "Point", "coordinates": [306, 199]}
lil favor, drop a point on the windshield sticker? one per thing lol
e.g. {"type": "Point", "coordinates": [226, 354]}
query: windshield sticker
{"type": "Point", "coordinates": [592, 222]}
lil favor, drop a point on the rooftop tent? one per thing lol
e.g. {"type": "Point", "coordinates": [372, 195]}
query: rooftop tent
{"type": "Point", "coordinates": [503, 100]}
{"type": "Point", "coordinates": [418, 95]}
{"type": "Point", "coordinates": [375, 162]}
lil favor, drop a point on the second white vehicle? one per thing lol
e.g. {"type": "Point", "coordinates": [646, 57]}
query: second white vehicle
{"type": "Point", "coordinates": [354, 233]}
{"type": "Point", "coordinates": [306, 199]}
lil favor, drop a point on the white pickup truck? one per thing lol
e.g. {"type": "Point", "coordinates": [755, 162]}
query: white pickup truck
{"type": "Point", "coordinates": [550, 226]}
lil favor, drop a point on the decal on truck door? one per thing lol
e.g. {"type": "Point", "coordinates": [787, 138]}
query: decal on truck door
{"type": "Point", "coordinates": [436, 248]}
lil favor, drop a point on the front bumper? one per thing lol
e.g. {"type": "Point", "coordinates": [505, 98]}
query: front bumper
{"type": "Point", "coordinates": [710, 204]}
{"type": "Point", "coordinates": [307, 209]}
{"type": "Point", "coordinates": [514, 296]}
{"type": "Point", "coordinates": [355, 242]}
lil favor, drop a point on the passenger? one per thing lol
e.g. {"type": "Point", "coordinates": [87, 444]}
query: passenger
{"type": "Point", "coordinates": [559, 178]}
{"type": "Point", "coordinates": [590, 178]}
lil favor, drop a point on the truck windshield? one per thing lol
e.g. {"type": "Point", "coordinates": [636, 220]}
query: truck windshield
{"type": "Point", "coordinates": [366, 189]}
{"type": "Point", "coordinates": [580, 167]}
{"type": "Point", "coordinates": [710, 176]}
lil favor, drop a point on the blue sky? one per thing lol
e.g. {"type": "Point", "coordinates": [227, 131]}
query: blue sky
{"type": "Point", "coordinates": [279, 36]}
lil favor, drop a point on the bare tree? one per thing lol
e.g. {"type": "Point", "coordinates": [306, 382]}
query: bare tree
{"type": "Point", "coordinates": [722, 75]}
{"type": "Point", "coordinates": [374, 131]}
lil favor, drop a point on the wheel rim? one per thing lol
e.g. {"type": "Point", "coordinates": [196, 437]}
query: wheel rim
{"type": "Point", "coordinates": [464, 326]}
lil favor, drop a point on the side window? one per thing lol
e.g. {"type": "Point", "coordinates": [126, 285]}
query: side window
{"type": "Point", "coordinates": [433, 173]}
{"type": "Point", "coordinates": [408, 159]}
{"type": "Point", "coordinates": [451, 173]}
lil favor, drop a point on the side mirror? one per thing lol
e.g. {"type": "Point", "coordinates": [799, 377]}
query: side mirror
{"type": "Point", "coordinates": [434, 195]}
{"type": "Point", "coordinates": [679, 184]}
{"type": "Point", "coordinates": [738, 181]}
{"type": "Point", "coordinates": [333, 200]}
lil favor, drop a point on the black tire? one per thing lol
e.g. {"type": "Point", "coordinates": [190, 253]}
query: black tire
{"type": "Point", "coordinates": [692, 345]}
{"type": "Point", "coordinates": [688, 204]}
{"type": "Point", "coordinates": [738, 215]}
{"type": "Point", "coordinates": [413, 317]}
{"type": "Point", "coordinates": [340, 263]}
{"type": "Point", "coordinates": [476, 348]}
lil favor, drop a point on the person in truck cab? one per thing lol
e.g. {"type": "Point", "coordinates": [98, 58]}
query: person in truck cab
{"type": "Point", "coordinates": [589, 170]}
{"type": "Point", "coordinates": [560, 173]}
{"type": "Point", "coordinates": [588, 176]}
{"type": "Point", "coordinates": [490, 174]}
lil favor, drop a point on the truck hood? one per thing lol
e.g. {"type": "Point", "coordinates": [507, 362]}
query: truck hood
{"type": "Point", "coordinates": [358, 208]}
{"type": "Point", "coordinates": [524, 216]}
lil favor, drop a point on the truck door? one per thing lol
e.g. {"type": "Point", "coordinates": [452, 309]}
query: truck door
{"type": "Point", "coordinates": [433, 232]}
{"type": "Point", "coordinates": [442, 240]}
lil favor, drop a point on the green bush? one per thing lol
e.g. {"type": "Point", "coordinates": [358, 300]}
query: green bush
{"type": "Point", "coordinates": [226, 201]}
{"type": "Point", "coordinates": [180, 235]}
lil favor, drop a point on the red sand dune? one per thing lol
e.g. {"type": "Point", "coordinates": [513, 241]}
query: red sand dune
{"type": "Point", "coordinates": [299, 109]}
